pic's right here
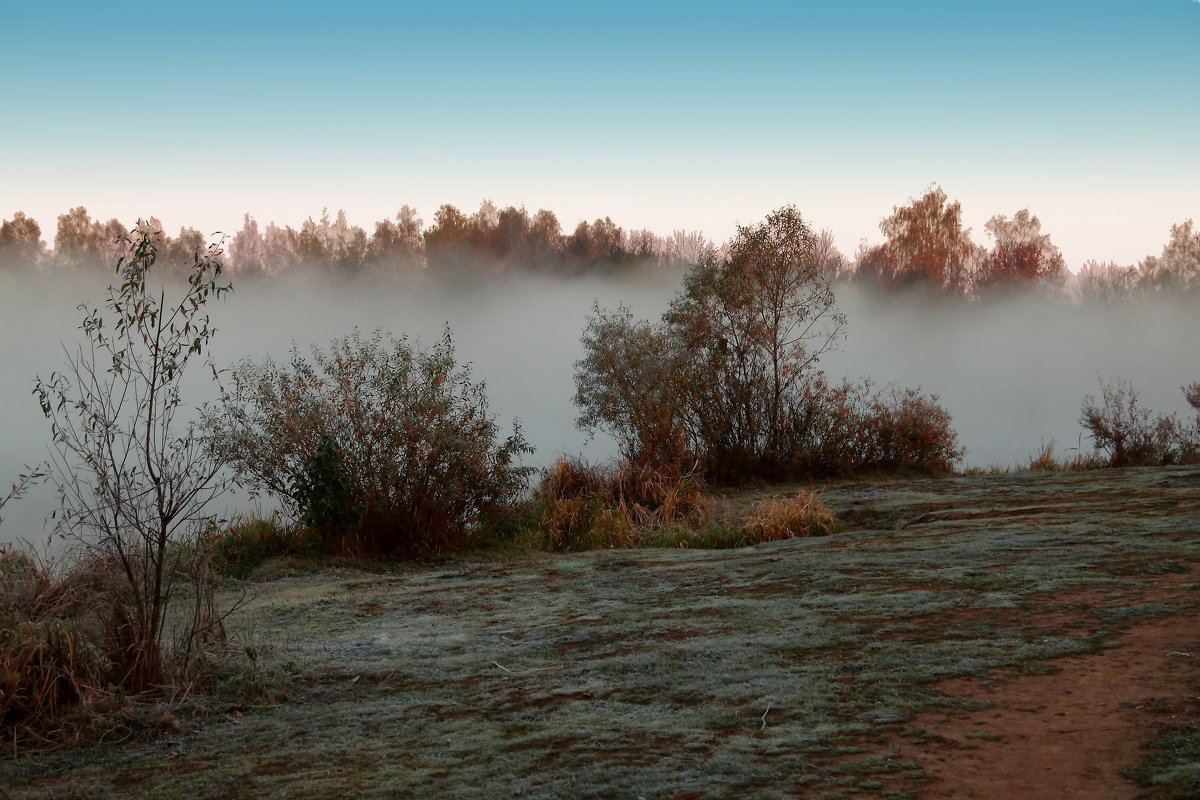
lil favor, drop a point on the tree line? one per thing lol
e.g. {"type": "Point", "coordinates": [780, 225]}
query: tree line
{"type": "Point", "coordinates": [925, 249]}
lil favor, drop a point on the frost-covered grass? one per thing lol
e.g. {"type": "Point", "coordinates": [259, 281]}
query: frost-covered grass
{"type": "Point", "coordinates": [759, 672]}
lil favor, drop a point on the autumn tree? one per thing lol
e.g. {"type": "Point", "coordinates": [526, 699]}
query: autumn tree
{"type": "Point", "coordinates": [927, 247]}
{"type": "Point", "coordinates": [448, 242]}
{"type": "Point", "coordinates": [398, 245]}
{"type": "Point", "coordinates": [20, 242]}
{"type": "Point", "coordinates": [545, 239]}
{"type": "Point", "coordinates": [600, 243]}
{"type": "Point", "coordinates": [81, 242]}
{"type": "Point", "coordinates": [683, 248]}
{"type": "Point", "coordinates": [829, 260]}
{"type": "Point", "coordinates": [728, 361]}
{"type": "Point", "coordinates": [508, 240]}
{"type": "Point", "coordinates": [1177, 269]}
{"type": "Point", "coordinates": [1105, 282]}
{"type": "Point", "coordinates": [345, 244]}
{"type": "Point", "coordinates": [1022, 256]}
{"type": "Point", "coordinates": [248, 250]}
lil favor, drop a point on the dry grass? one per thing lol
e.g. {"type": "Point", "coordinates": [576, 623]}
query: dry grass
{"type": "Point", "coordinates": [1045, 460]}
{"type": "Point", "coordinates": [48, 660]}
{"type": "Point", "coordinates": [64, 648]}
{"type": "Point", "coordinates": [787, 518]}
{"type": "Point", "coordinates": [589, 507]}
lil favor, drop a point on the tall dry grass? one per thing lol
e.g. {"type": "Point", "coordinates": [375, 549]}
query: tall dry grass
{"type": "Point", "coordinates": [49, 661]}
{"type": "Point", "coordinates": [772, 520]}
{"type": "Point", "coordinates": [626, 505]}
{"type": "Point", "coordinates": [587, 507]}
{"type": "Point", "coordinates": [66, 648]}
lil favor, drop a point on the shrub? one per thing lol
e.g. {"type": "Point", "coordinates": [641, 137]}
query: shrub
{"type": "Point", "coordinates": [854, 428]}
{"type": "Point", "coordinates": [322, 492]}
{"type": "Point", "coordinates": [46, 665]}
{"type": "Point", "coordinates": [63, 651]}
{"type": "Point", "coordinates": [630, 383]}
{"type": "Point", "coordinates": [135, 482]}
{"type": "Point", "coordinates": [1130, 436]}
{"type": "Point", "coordinates": [1192, 393]}
{"type": "Point", "coordinates": [407, 440]}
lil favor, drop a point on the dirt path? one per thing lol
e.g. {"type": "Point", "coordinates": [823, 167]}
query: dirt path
{"type": "Point", "coordinates": [1065, 735]}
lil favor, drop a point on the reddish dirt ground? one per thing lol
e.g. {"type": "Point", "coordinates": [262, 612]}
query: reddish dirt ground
{"type": "Point", "coordinates": [1069, 734]}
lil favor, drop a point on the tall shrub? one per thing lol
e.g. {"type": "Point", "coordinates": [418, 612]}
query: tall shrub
{"type": "Point", "coordinates": [134, 476]}
{"type": "Point", "coordinates": [729, 377]}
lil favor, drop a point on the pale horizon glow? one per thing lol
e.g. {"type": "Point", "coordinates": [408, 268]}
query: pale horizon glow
{"type": "Point", "coordinates": [667, 117]}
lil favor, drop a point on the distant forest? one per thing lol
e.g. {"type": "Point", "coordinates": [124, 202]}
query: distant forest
{"type": "Point", "coordinates": [925, 248]}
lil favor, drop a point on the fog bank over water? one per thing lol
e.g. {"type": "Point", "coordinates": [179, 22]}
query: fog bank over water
{"type": "Point", "coordinates": [1011, 373]}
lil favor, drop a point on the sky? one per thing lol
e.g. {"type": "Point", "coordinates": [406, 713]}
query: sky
{"type": "Point", "coordinates": [662, 115]}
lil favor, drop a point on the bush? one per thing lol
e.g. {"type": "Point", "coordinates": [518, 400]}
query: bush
{"type": "Point", "coordinates": [63, 652]}
{"type": "Point", "coordinates": [630, 382]}
{"type": "Point", "coordinates": [1130, 436]}
{"type": "Point", "coordinates": [322, 492]}
{"type": "Point", "coordinates": [135, 481]}
{"type": "Point", "coordinates": [389, 441]}
{"type": "Point", "coordinates": [46, 664]}
{"type": "Point", "coordinates": [854, 428]}
{"type": "Point", "coordinates": [1192, 393]}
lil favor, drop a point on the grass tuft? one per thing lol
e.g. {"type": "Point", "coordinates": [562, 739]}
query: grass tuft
{"type": "Point", "coordinates": [246, 543]}
{"type": "Point", "coordinates": [589, 507]}
{"type": "Point", "coordinates": [787, 518]}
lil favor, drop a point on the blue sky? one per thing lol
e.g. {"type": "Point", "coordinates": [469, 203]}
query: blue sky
{"type": "Point", "coordinates": [662, 115]}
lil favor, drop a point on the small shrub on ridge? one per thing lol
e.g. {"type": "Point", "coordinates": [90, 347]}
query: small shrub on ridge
{"type": "Point", "coordinates": [237, 549]}
{"type": "Point", "coordinates": [854, 428]}
{"type": "Point", "coordinates": [1130, 436]}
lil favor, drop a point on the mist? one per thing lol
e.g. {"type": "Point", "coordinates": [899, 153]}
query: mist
{"type": "Point", "coordinates": [1011, 373]}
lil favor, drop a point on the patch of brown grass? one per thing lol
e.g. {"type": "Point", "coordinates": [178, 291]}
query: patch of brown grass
{"type": "Point", "coordinates": [587, 507]}
{"type": "Point", "coordinates": [801, 515]}
{"type": "Point", "coordinates": [65, 644]}
{"type": "Point", "coordinates": [48, 662]}
{"type": "Point", "coordinates": [1045, 461]}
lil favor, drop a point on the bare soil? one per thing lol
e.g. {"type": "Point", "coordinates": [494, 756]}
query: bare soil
{"type": "Point", "coordinates": [1068, 734]}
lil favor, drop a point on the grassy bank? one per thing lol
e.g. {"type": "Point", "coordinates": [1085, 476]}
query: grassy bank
{"type": "Point", "coordinates": [769, 671]}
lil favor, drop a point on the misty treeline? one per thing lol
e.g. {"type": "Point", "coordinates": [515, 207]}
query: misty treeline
{"type": "Point", "coordinates": [926, 249]}
{"type": "Point", "coordinates": [492, 238]}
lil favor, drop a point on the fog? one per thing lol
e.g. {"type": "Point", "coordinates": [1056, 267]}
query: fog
{"type": "Point", "coordinates": [1012, 374]}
